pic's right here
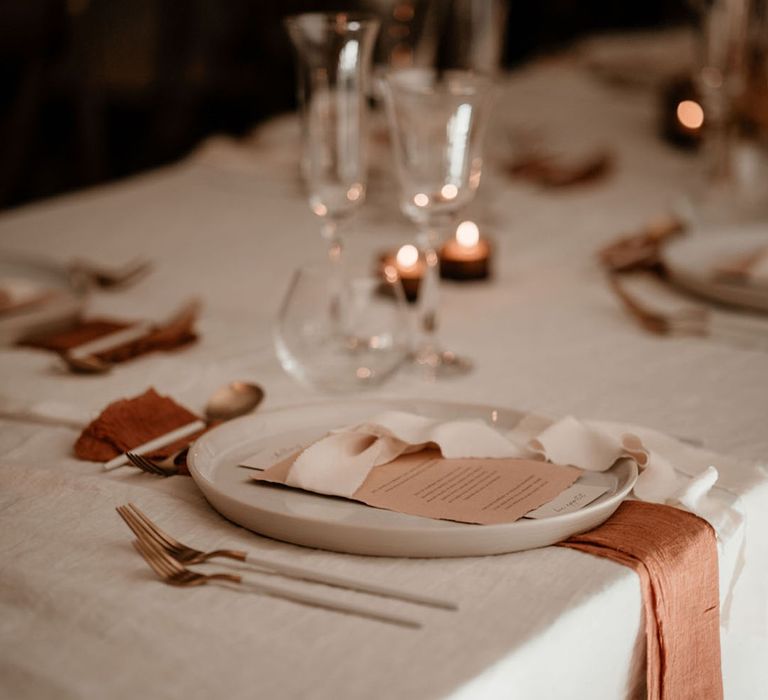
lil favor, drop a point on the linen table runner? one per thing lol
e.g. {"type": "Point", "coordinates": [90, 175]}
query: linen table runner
{"type": "Point", "coordinates": [674, 553]}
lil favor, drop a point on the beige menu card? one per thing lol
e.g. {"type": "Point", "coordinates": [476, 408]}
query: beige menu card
{"type": "Point", "coordinates": [483, 491]}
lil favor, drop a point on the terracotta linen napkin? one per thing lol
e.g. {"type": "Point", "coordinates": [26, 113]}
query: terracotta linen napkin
{"type": "Point", "coordinates": [127, 423]}
{"type": "Point", "coordinates": [641, 249]}
{"type": "Point", "coordinates": [674, 553]}
{"type": "Point", "coordinates": [549, 171]}
{"type": "Point", "coordinates": [166, 337]}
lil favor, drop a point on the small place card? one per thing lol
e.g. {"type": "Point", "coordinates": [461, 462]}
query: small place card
{"type": "Point", "coordinates": [275, 449]}
{"type": "Point", "coordinates": [482, 491]}
{"type": "Point", "coordinates": [572, 499]}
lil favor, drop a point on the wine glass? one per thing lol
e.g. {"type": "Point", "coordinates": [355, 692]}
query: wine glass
{"type": "Point", "coordinates": [333, 53]}
{"type": "Point", "coordinates": [437, 122]}
{"type": "Point", "coordinates": [732, 81]}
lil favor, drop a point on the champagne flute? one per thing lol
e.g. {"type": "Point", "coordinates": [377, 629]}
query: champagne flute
{"type": "Point", "coordinates": [333, 53]}
{"type": "Point", "coordinates": [437, 122]}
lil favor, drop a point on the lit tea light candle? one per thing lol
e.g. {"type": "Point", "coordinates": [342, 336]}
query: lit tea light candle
{"type": "Point", "coordinates": [410, 268]}
{"type": "Point", "coordinates": [682, 114]}
{"type": "Point", "coordinates": [406, 266]}
{"type": "Point", "coordinates": [467, 255]}
{"type": "Point", "coordinates": [407, 260]}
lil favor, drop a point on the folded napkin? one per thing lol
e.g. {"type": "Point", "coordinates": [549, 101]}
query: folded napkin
{"type": "Point", "coordinates": [170, 336]}
{"type": "Point", "coordinates": [640, 250]}
{"type": "Point", "coordinates": [660, 309]}
{"type": "Point", "coordinates": [675, 555]}
{"type": "Point", "coordinates": [550, 171]}
{"type": "Point", "coordinates": [339, 463]}
{"type": "Point", "coordinates": [128, 423]}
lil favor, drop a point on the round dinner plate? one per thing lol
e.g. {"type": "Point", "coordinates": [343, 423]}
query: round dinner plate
{"type": "Point", "coordinates": [342, 525]}
{"type": "Point", "coordinates": [66, 302]}
{"type": "Point", "coordinates": [692, 260]}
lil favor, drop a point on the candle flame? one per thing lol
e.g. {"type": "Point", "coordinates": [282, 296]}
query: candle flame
{"type": "Point", "coordinates": [407, 256]}
{"type": "Point", "coordinates": [467, 234]}
{"type": "Point", "coordinates": [690, 114]}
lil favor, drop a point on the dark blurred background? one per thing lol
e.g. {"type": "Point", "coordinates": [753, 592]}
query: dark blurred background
{"type": "Point", "coordinates": [93, 90]}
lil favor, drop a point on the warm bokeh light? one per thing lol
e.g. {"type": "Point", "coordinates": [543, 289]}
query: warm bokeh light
{"type": "Point", "coordinates": [467, 234]}
{"type": "Point", "coordinates": [403, 12]}
{"type": "Point", "coordinates": [354, 192]}
{"type": "Point", "coordinates": [712, 77]}
{"type": "Point", "coordinates": [390, 273]}
{"type": "Point", "coordinates": [320, 209]}
{"type": "Point", "coordinates": [449, 191]}
{"type": "Point", "coordinates": [421, 200]}
{"type": "Point", "coordinates": [690, 114]}
{"type": "Point", "coordinates": [407, 256]}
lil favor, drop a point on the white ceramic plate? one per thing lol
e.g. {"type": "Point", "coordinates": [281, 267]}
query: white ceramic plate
{"type": "Point", "coordinates": [691, 260]}
{"type": "Point", "coordinates": [345, 526]}
{"type": "Point", "coordinates": [66, 304]}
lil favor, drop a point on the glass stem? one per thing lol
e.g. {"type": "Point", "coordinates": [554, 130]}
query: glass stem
{"type": "Point", "coordinates": [427, 348]}
{"type": "Point", "coordinates": [330, 233]}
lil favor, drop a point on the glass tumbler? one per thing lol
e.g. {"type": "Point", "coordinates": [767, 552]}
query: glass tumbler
{"type": "Point", "coordinates": [364, 342]}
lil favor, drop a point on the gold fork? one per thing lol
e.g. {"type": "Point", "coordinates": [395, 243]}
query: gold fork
{"type": "Point", "coordinates": [742, 331]}
{"type": "Point", "coordinates": [691, 321]}
{"type": "Point", "coordinates": [146, 529]}
{"type": "Point", "coordinates": [174, 573]}
{"type": "Point", "coordinates": [160, 467]}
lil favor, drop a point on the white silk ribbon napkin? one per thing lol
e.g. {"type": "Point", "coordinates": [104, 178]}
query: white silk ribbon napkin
{"type": "Point", "coordinates": [670, 471]}
{"type": "Point", "coordinates": [339, 463]}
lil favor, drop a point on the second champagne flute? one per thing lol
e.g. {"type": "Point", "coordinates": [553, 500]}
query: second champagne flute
{"type": "Point", "coordinates": [437, 122]}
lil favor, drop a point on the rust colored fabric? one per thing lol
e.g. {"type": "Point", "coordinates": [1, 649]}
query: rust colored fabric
{"type": "Point", "coordinates": [547, 171]}
{"type": "Point", "coordinates": [675, 555]}
{"type": "Point", "coordinates": [128, 423]}
{"type": "Point", "coordinates": [165, 338]}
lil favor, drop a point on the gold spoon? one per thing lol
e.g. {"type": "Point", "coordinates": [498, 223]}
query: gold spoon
{"type": "Point", "coordinates": [233, 400]}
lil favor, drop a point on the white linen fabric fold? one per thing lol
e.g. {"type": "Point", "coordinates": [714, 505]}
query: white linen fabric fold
{"type": "Point", "coordinates": [338, 463]}
{"type": "Point", "coordinates": [670, 471]}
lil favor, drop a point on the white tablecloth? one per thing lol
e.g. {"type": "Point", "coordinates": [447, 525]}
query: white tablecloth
{"type": "Point", "coordinates": [82, 617]}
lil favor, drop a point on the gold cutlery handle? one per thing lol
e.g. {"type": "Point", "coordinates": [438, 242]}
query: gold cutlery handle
{"type": "Point", "coordinates": [326, 603]}
{"type": "Point", "coordinates": [347, 582]}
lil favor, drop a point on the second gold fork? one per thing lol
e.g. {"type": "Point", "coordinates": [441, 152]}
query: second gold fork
{"type": "Point", "coordinates": [174, 573]}
{"type": "Point", "coordinates": [145, 528]}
